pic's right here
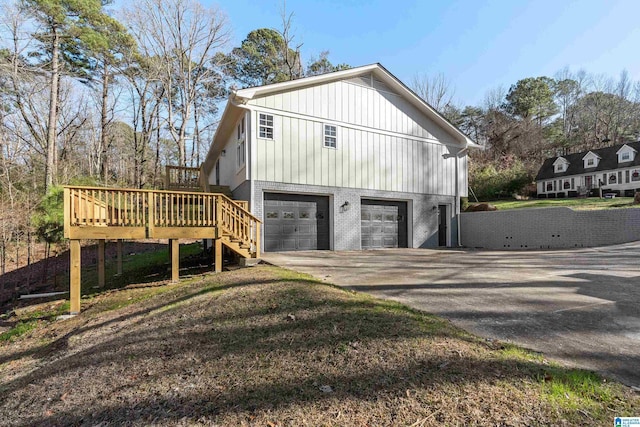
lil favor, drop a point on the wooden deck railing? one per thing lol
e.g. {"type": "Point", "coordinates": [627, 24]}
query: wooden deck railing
{"type": "Point", "coordinates": [182, 178]}
{"type": "Point", "coordinates": [113, 213]}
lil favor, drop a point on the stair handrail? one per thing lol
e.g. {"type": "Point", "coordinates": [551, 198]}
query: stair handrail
{"type": "Point", "coordinates": [238, 222]}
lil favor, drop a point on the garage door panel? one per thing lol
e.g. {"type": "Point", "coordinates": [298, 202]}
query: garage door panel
{"type": "Point", "coordinates": [287, 229]}
{"type": "Point", "coordinates": [296, 222]}
{"type": "Point", "coordinates": [306, 229]}
{"type": "Point", "coordinates": [383, 224]}
{"type": "Point", "coordinates": [289, 244]}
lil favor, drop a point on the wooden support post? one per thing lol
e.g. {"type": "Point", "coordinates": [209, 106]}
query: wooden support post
{"type": "Point", "coordinates": [175, 259]}
{"type": "Point", "coordinates": [74, 276]}
{"type": "Point", "coordinates": [67, 211]}
{"type": "Point", "coordinates": [217, 264]}
{"type": "Point", "coordinates": [101, 245]}
{"type": "Point", "coordinates": [119, 257]}
{"type": "Point", "coordinates": [258, 239]}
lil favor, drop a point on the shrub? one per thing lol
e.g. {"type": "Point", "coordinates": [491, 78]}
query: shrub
{"type": "Point", "coordinates": [464, 203]}
{"type": "Point", "coordinates": [490, 182]}
{"type": "Point", "coordinates": [49, 217]}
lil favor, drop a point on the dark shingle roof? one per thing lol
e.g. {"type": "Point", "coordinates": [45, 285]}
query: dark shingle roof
{"type": "Point", "coordinates": [608, 161]}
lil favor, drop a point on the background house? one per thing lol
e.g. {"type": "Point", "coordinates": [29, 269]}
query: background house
{"type": "Point", "coordinates": [615, 169]}
{"type": "Point", "coordinates": [346, 160]}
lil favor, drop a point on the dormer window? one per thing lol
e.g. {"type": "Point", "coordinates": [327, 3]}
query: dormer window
{"type": "Point", "coordinates": [626, 154]}
{"type": "Point", "coordinates": [560, 165]}
{"type": "Point", "coordinates": [590, 160]}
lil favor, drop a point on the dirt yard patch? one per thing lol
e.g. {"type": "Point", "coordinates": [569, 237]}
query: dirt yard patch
{"type": "Point", "coordinates": [266, 346]}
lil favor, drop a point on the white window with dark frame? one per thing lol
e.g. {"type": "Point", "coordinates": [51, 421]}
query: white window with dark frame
{"type": "Point", "coordinates": [625, 157]}
{"type": "Point", "coordinates": [265, 126]}
{"type": "Point", "coordinates": [240, 145]}
{"type": "Point", "coordinates": [330, 136]}
{"type": "Point", "coordinates": [241, 129]}
{"type": "Point", "coordinates": [240, 153]}
{"type": "Point", "coordinates": [590, 162]}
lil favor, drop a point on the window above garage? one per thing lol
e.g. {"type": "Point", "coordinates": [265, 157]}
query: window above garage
{"type": "Point", "coordinates": [266, 126]}
{"type": "Point", "coordinates": [330, 136]}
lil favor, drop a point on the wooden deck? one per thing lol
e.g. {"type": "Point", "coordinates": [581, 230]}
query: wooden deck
{"type": "Point", "coordinates": [184, 178]}
{"type": "Point", "coordinates": [116, 213]}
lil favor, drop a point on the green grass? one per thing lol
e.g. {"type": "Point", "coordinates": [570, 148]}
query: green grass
{"type": "Point", "coordinates": [591, 203]}
{"type": "Point", "coordinates": [30, 319]}
{"type": "Point", "coordinates": [19, 329]}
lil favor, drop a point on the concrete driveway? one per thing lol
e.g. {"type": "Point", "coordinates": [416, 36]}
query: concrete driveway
{"type": "Point", "coordinates": [579, 307]}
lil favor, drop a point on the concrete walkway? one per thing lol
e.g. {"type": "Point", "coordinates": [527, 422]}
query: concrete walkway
{"type": "Point", "coordinates": [579, 307]}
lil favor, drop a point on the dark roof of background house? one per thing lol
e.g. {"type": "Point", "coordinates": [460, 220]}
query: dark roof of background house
{"type": "Point", "coordinates": [608, 161]}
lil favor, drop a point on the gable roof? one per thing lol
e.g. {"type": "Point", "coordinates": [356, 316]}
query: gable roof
{"type": "Point", "coordinates": [608, 161]}
{"type": "Point", "coordinates": [238, 98]}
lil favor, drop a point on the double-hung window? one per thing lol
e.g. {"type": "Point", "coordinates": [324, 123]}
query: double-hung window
{"type": "Point", "coordinates": [240, 146]}
{"type": "Point", "coordinates": [266, 126]}
{"type": "Point", "coordinates": [330, 136]}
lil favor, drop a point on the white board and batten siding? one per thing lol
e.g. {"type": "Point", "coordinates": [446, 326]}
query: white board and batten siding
{"type": "Point", "coordinates": [384, 142]}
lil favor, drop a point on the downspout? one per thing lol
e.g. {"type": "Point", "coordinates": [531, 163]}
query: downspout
{"type": "Point", "coordinates": [243, 105]}
{"type": "Point", "coordinates": [457, 201]}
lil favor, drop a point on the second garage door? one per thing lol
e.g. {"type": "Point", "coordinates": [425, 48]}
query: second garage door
{"type": "Point", "coordinates": [295, 222]}
{"type": "Point", "coordinates": [383, 224]}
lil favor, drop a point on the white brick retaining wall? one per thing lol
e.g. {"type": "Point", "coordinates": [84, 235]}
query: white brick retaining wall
{"type": "Point", "coordinates": [547, 228]}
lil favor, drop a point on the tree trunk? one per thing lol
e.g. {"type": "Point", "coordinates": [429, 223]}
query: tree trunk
{"type": "Point", "coordinates": [103, 124]}
{"type": "Point", "coordinates": [53, 109]}
{"type": "Point", "coordinates": [3, 257]}
{"type": "Point", "coordinates": [156, 161]}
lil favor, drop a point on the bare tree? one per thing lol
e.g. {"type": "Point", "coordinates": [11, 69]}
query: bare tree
{"type": "Point", "coordinates": [435, 90]}
{"type": "Point", "coordinates": [184, 36]}
{"type": "Point", "coordinates": [290, 54]}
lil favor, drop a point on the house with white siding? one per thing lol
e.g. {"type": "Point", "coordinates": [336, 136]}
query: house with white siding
{"type": "Point", "coordinates": [342, 161]}
{"type": "Point", "coordinates": [613, 169]}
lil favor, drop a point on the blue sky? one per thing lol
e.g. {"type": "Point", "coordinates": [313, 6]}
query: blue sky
{"type": "Point", "coordinates": [477, 45]}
